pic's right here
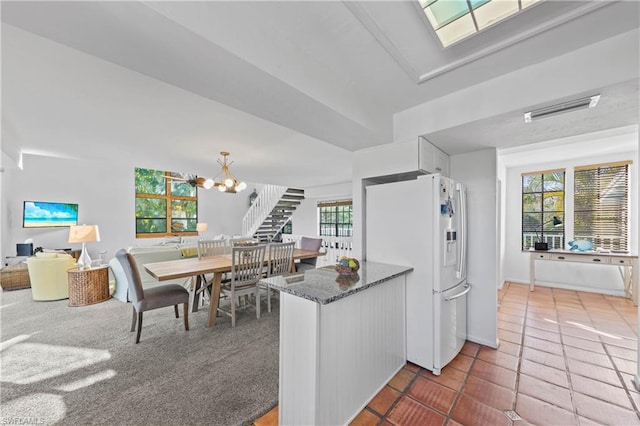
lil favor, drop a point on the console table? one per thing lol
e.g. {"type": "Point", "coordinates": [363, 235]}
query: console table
{"type": "Point", "coordinates": [627, 263]}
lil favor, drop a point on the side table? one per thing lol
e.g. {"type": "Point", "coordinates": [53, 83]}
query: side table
{"type": "Point", "coordinates": [88, 286]}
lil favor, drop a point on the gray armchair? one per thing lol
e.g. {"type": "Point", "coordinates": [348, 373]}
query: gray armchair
{"type": "Point", "coordinates": [307, 243]}
{"type": "Point", "coordinates": [151, 298]}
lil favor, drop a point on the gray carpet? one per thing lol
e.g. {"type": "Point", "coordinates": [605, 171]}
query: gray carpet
{"type": "Point", "coordinates": [80, 366]}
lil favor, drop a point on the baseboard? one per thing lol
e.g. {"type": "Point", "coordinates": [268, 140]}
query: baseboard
{"type": "Point", "coordinates": [609, 292]}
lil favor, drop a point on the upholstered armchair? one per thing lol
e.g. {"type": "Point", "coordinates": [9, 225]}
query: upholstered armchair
{"type": "Point", "coordinates": [48, 275]}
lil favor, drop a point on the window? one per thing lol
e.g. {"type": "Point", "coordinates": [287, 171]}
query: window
{"type": "Point", "coordinates": [601, 205]}
{"type": "Point", "coordinates": [336, 218]}
{"type": "Point", "coordinates": [164, 206]}
{"type": "Point", "coordinates": [543, 209]}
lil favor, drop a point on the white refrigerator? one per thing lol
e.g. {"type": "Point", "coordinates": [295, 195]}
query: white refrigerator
{"type": "Point", "coordinates": [421, 223]}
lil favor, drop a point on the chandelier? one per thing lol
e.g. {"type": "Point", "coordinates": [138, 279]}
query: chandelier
{"type": "Point", "coordinates": [228, 182]}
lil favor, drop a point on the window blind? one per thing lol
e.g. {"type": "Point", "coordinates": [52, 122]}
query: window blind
{"type": "Point", "coordinates": [601, 205]}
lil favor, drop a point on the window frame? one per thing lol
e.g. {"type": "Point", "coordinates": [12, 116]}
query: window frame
{"type": "Point", "coordinates": [337, 224]}
{"type": "Point", "coordinates": [542, 212]}
{"type": "Point", "coordinates": [169, 198]}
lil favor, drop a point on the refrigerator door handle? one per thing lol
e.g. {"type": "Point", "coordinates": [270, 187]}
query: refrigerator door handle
{"type": "Point", "coordinates": [467, 289]}
{"type": "Point", "coordinates": [462, 207]}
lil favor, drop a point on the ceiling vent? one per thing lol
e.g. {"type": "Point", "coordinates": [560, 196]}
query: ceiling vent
{"type": "Point", "coordinates": [574, 105]}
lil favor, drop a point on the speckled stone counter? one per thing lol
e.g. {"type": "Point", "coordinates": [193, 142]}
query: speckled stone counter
{"type": "Point", "coordinates": [324, 285]}
{"type": "Point", "coordinates": [342, 338]}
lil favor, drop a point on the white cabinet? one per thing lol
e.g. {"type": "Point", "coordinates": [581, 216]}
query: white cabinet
{"type": "Point", "coordinates": [409, 158]}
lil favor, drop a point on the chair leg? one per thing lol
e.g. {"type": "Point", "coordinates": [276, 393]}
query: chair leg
{"type": "Point", "coordinates": [175, 309]}
{"type": "Point", "coordinates": [139, 327]}
{"type": "Point", "coordinates": [186, 316]}
{"type": "Point", "coordinates": [268, 299]}
{"type": "Point", "coordinates": [258, 301]}
{"type": "Point", "coordinates": [133, 320]}
{"type": "Point", "coordinates": [233, 309]}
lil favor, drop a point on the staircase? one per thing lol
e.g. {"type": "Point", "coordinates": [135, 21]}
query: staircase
{"type": "Point", "coordinates": [270, 211]}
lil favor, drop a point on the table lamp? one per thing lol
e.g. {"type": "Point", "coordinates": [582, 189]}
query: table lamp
{"type": "Point", "coordinates": [201, 227]}
{"type": "Point", "coordinates": [84, 234]}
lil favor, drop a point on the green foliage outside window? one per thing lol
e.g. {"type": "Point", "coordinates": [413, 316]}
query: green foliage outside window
{"type": "Point", "coordinates": [164, 206]}
{"type": "Point", "coordinates": [542, 209]}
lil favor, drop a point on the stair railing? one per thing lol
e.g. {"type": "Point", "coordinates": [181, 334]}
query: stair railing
{"type": "Point", "coordinates": [261, 208]}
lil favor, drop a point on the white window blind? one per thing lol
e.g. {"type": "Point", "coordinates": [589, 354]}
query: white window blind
{"type": "Point", "coordinates": [601, 205]}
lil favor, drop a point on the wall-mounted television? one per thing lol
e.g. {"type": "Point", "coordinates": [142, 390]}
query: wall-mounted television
{"type": "Point", "coordinates": [41, 214]}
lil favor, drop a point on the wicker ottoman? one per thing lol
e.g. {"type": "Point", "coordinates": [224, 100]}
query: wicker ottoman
{"type": "Point", "coordinates": [15, 277]}
{"type": "Point", "coordinates": [88, 286]}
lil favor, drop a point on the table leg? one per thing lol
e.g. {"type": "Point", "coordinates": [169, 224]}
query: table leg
{"type": "Point", "coordinates": [215, 299]}
{"type": "Point", "coordinates": [532, 272]}
{"type": "Point", "coordinates": [195, 293]}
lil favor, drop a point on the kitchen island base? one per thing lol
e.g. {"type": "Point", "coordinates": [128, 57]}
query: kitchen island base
{"type": "Point", "coordinates": [335, 357]}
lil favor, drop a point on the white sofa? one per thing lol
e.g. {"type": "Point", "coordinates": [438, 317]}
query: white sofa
{"type": "Point", "coordinates": [144, 255]}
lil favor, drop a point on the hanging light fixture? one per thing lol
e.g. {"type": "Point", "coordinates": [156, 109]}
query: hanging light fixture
{"type": "Point", "coordinates": [228, 182]}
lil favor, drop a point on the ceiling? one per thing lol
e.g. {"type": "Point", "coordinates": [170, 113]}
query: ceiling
{"type": "Point", "coordinates": [290, 88]}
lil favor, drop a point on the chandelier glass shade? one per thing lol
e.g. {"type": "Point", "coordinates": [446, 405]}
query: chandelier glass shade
{"type": "Point", "coordinates": [225, 181]}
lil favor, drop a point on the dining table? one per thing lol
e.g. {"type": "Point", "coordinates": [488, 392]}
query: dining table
{"type": "Point", "coordinates": [195, 268]}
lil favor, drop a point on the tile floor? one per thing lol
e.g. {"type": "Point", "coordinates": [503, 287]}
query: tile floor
{"type": "Point", "coordinates": [565, 358]}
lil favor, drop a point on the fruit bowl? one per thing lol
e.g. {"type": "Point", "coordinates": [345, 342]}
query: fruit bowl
{"type": "Point", "coordinates": [347, 266]}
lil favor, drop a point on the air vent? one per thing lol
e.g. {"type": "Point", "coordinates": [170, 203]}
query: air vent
{"type": "Point", "coordinates": [574, 105]}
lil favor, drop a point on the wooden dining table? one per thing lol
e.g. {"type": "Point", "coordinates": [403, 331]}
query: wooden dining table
{"type": "Point", "coordinates": [217, 265]}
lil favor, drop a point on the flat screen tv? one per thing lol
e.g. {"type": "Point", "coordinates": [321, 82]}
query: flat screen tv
{"type": "Point", "coordinates": [41, 214]}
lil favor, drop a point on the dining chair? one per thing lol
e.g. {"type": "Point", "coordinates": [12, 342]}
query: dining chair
{"type": "Point", "coordinates": [243, 241]}
{"type": "Point", "coordinates": [280, 263]}
{"type": "Point", "coordinates": [207, 248]}
{"type": "Point", "coordinates": [246, 271]}
{"type": "Point", "coordinates": [313, 244]}
{"type": "Point", "coordinates": [151, 298]}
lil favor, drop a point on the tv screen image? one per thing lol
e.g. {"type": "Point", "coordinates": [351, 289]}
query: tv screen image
{"type": "Point", "coordinates": [40, 214]}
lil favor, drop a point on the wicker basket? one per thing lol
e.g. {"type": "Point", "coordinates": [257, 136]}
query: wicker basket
{"type": "Point", "coordinates": [15, 277]}
{"type": "Point", "coordinates": [345, 270]}
{"type": "Point", "coordinates": [88, 286]}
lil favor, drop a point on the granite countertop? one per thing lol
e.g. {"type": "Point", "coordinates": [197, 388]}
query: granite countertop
{"type": "Point", "coordinates": [324, 285]}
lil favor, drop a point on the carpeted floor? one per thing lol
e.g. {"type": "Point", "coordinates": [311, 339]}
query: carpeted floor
{"type": "Point", "coordinates": [80, 366]}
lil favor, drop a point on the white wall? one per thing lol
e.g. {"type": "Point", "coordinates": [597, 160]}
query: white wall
{"type": "Point", "coordinates": [105, 195]}
{"type": "Point", "coordinates": [477, 170]}
{"type": "Point", "coordinates": [305, 218]}
{"type": "Point", "coordinates": [515, 266]}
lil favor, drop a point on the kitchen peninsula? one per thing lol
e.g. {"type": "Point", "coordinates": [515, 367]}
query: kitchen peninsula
{"type": "Point", "coordinates": [342, 338]}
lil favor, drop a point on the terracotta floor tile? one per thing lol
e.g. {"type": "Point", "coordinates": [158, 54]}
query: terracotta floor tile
{"type": "Point", "coordinates": [545, 358]}
{"type": "Point", "coordinates": [432, 394]}
{"type": "Point", "coordinates": [510, 326]}
{"type": "Point", "coordinates": [601, 391]}
{"type": "Point", "coordinates": [587, 356]}
{"type": "Point", "coordinates": [542, 413]}
{"type": "Point", "coordinates": [543, 325]}
{"type": "Point", "coordinates": [449, 377]}
{"type": "Point", "coordinates": [624, 353]}
{"type": "Point", "coordinates": [514, 312]}
{"type": "Point", "coordinates": [509, 336]}
{"type": "Point", "coordinates": [469, 411]}
{"type": "Point", "coordinates": [384, 400]}
{"type": "Point", "coordinates": [365, 418]}
{"type": "Point", "coordinates": [542, 334]}
{"type": "Point", "coordinates": [510, 318]}
{"type": "Point", "coordinates": [589, 345]}
{"type": "Point", "coordinates": [543, 372]}
{"type": "Point", "coordinates": [494, 374]}
{"type": "Point", "coordinates": [461, 362]}
{"type": "Point", "coordinates": [583, 333]}
{"type": "Point", "coordinates": [269, 419]}
{"type": "Point", "coordinates": [543, 345]}
{"type": "Point", "coordinates": [603, 412]}
{"type": "Point", "coordinates": [602, 374]}
{"type": "Point", "coordinates": [621, 342]}
{"type": "Point", "coordinates": [626, 366]}
{"type": "Point", "coordinates": [628, 383]}
{"type": "Point", "coordinates": [499, 358]}
{"type": "Point", "coordinates": [402, 379]}
{"type": "Point", "coordinates": [410, 412]}
{"type": "Point", "coordinates": [470, 349]}
{"type": "Point", "coordinates": [412, 367]}
{"type": "Point", "coordinates": [509, 348]}
{"type": "Point", "coordinates": [452, 422]}
{"type": "Point", "coordinates": [492, 395]}
{"type": "Point", "coordinates": [548, 392]}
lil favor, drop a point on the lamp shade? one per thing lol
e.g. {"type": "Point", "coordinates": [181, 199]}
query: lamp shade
{"type": "Point", "coordinates": [84, 233]}
{"type": "Point", "coordinates": [201, 227]}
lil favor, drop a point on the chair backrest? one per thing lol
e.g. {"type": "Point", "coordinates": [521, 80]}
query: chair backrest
{"type": "Point", "coordinates": [134, 282]}
{"type": "Point", "coordinates": [280, 258]}
{"type": "Point", "coordinates": [314, 244]}
{"type": "Point", "coordinates": [208, 248]}
{"type": "Point", "coordinates": [247, 264]}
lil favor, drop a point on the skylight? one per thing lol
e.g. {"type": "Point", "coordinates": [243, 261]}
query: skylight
{"type": "Point", "coordinates": [454, 20]}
